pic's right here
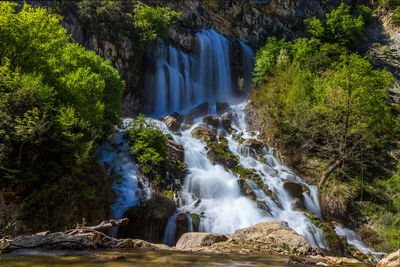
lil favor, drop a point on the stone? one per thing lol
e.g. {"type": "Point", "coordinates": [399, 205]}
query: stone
{"type": "Point", "coordinates": [219, 153]}
{"type": "Point", "coordinates": [391, 260]}
{"type": "Point", "coordinates": [148, 221]}
{"type": "Point", "coordinates": [173, 121]}
{"type": "Point", "coordinates": [204, 134]}
{"type": "Point", "coordinates": [222, 107]}
{"type": "Point", "coordinates": [193, 240]}
{"type": "Point", "coordinates": [211, 120]}
{"type": "Point", "coordinates": [295, 189]}
{"type": "Point", "coordinates": [227, 124]}
{"type": "Point", "coordinates": [188, 123]}
{"type": "Point", "coordinates": [200, 110]}
{"type": "Point", "coordinates": [246, 189]}
{"type": "Point", "coordinates": [254, 144]}
{"type": "Point", "coordinates": [176, 160]}
{"type": "Point", "coordinates": [275, 232]}
{"type": "Point", "coordinates": [182, 225]}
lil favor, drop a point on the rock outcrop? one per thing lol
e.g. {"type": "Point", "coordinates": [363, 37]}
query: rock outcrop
{"type": "Point", "coordinates": [148, 221]}
{"type": "Point", "coordinates": [173, 121]}
{"type": "Point", "coordinates": [204, 134]}
{"type": "Point", "coordinates": [194, 240]}
{"type": "Point", "coordinates": [392, 260]}
{"type": "Point", "coordinates": [263, 238]}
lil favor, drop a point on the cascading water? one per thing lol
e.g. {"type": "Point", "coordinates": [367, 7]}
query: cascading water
{"type": "Point", "coordinates": [177, 82]}
{"type": "Point", "coordinates": [248, 65]}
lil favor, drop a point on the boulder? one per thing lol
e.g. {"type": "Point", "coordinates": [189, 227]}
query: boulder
{"type": "Point", "coordinates": [227, 124]}
{"type": "Point", "coordinates": [182, 225]}
{"type": "Point", "coordinates": [173, 121]}
{"type": "Point", "coordinates": [246, 189]}
{"type": "Point", "coordinates": [391, 260]}
{"type": "Point", "coordinates": [204, 134]}
{"type": "Point", "coordinates": [254, 144]}
{"type": "Point", "coordinates": [295, 189]}
{"type": "Point", "coordinates": [200, 110]}
{"type": "Point", "coordinates": [193, 240]}
{"type": "Point", "coordinates": [275, 234]}
{"type": "Point", "coordinates": [188, 123]}
{"type": "Point", "coordinates": [176, 160]}
{"type": "Point", "coordinates": [211, 120]}
{"type": "Point", "coordinates": [219, 153]}
{"type": "Point", "coordinates": [221, 107]}
{"type": "Point", "coordinates": [148, 221]}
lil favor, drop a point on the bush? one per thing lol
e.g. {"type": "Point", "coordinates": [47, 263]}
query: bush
{"type": "Point", "coordinates": [154, 22]}
{"type": "Point", "coordinates": [341, 24]}
{"type": "Point", "coordinates": [57, 101]}
{"type": "Point", "coordinates": [396, 16]}
{"type": "Point", "coordinates": [148, 144]}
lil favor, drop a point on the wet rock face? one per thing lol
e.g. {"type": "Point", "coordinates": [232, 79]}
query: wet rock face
{"type": "Point", "coordinates": [246, 189]}
{"type": "Point", "coordinates": [199, 111]}
{"type": "Point", "coordinates": [182, 225]}
{"type": "Point", "coordinates": [176, 160]}
{"type": "Point", "coordinates": [204, 134]}
{"type": "Point", "coordinates": [148, 221]}
{"type": "Point", "coordinates": [254, 144]}
{"type": "Point", "coordinates": [173, 121]}
{"type": "Point", "coordinates": [222, 107]}
{"type": "Point", "coordinates": [219, 153]}
{"type": "Point", "coordinates": [211, 120]}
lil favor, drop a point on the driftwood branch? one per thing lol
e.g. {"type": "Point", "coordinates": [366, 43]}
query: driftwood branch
{"type": "Point", "coordinates": [102, 227]}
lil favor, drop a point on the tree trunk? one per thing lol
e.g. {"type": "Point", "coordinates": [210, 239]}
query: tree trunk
{"type": "Point", "coordinates": [329, 172]}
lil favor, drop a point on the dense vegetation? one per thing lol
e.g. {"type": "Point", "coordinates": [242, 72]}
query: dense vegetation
{"type": "Point", "coordinates": [148, 145]}
{"type": "Point", "coordinates": [392, 6]}
{"type": "Point", "coordinates": [332, 105]}
{"type": "Point", "coordinates": [57, 101]}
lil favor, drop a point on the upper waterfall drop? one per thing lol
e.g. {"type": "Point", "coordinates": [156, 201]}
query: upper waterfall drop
{"type": "Point", "coordinates": [178, 81]}
{"type": "Point", "coordinates": [248, 59]}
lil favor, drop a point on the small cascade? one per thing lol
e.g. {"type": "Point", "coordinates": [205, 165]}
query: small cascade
{"type": "Point", "coordinates": [355, 240]}
{"type": "Point", "coordinates": [178, 81]}
{"type": "Point", "coordinates": [190, 223]}
{"type": "Point", "coordinates": [115, 156]}
{"type": "Point", "coordinates": [170, 231]}
{"type": "Point", "coordinates": [248, 65]}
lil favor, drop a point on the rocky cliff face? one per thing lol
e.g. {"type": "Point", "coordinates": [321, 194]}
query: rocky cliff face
{"type": "Point", "coordinates": [251, 21]}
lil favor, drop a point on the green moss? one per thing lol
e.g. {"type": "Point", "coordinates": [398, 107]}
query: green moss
{"type": "Point", "coordinates": [195, 221]}
{"type": "Point", "coordinates": [336, 247]}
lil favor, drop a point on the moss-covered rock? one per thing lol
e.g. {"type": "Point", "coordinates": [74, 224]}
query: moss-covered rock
{"type": "Point", "coordinates": [219, 153]}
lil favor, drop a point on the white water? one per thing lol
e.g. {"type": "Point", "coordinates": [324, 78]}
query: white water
{"type": "Point", "coordinates": [355, 240]}
{"type": "Point", "coordinates": [248, 65]}
{"type": "Point", "coordinates": [178, 82]}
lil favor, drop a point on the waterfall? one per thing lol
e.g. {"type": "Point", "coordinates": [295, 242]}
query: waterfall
{"type": "Point", "coordinates": [248, 65]}
{"type": "Point", "coordinates": [170, 230]}
{"type": "Point", "coordinates": [178, 81]}
{"type": "Point", "coordinates": [355, 240]}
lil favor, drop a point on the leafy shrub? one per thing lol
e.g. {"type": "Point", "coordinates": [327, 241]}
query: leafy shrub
{"type": "Point", "coordinates": [341, 24]}
{"type": "Point", "coordinates": [396, 16]}
{"type": "Point", "coordinates": [148, 144]}
{"type": "Point", "coordinates": [57, 101]}
{"type": "Point", "coordinates": [154, 22]}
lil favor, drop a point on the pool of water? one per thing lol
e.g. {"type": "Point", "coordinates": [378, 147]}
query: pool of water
{"type": "Point", "coordinates": [122, 259]}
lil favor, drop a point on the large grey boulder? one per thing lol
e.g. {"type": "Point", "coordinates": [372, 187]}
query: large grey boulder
{"type": "Point", "coordinates": [193, 240]}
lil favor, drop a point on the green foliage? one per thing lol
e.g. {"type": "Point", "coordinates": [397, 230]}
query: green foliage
{"type": "Point", "coordinates": [57, 101]}
{"type": "Point", "coordinates": [396, 16]}
{"type": "Point", "coordinates": [148, 144]}
{"type": "Point", "coordinates": [154, 22]}
{"type": "Point", "coordinates": [341, 24]}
